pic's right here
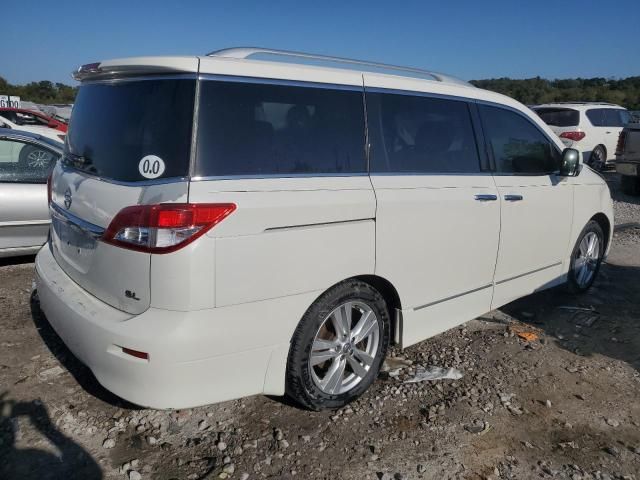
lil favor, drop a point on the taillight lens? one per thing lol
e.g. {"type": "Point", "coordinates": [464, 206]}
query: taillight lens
{"type": "Point", "coordinates": [165, 227]}
{"type": "Point", "coordinates": [622, 142]}
{"type": "Point", "coordinates": [49, 187]}
{"type": "Point", "coordinates": [575, 136]}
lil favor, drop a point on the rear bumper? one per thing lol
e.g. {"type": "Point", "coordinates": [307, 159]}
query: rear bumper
{"type": "Point", "coordinates": [195, 357]}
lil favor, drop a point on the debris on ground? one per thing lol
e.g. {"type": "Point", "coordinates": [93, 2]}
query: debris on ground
{"type": "Point", "coordinates": [435, 373]}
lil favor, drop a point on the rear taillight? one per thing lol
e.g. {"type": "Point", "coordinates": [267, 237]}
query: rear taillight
{"type": "Point", "coordinates": [622, 142]}
{"type": "Point", "coordinates": [49, 180]}
{"type": "Point", "coordinates": [575, 136]}
{"type": "Point", "coordinates": [165, 227]}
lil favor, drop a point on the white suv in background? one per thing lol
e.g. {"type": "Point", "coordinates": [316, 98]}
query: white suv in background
{"type": "Point", "coordinates": [591, 127]}
{"type": "Point", "coordinates": [234, 224]}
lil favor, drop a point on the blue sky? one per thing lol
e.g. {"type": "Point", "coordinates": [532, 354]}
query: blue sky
{"type": "Point", "coordinates": [46, 40]}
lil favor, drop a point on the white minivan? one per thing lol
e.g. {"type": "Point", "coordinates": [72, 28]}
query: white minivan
{"type": "Point", "coordinates": [257, 221]}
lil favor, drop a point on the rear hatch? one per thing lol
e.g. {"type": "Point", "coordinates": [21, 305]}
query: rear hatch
{"type": "Point", "coordinates": [129, 143]}
{"type": "Point", "coordinates": [564, 123]}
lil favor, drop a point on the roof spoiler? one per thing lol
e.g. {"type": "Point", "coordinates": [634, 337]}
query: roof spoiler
{"type": "Point", "coordinates": [136, 66]}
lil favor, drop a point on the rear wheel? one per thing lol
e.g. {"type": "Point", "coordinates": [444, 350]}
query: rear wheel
{"type": "Point", "coordinates": [586, 258]}
{"type": "Point", "coordinates": [598, 158]}
{"type": "Point", "coordinates": [338, 348]}
{"type": "Point", "coordinates": [630, 185]}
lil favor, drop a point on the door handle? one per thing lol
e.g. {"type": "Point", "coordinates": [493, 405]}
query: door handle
{"type": "Point", "coordinates": [513, 198]}
{"type": "Point", "coordinates": [486, 197]}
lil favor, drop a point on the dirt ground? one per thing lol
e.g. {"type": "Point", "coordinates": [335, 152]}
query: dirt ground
{"type": "Point", "coordinates": [564, 405]}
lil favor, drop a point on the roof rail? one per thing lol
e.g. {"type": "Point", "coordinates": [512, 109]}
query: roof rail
{"type": "Point", "coordinates": [246, 53]}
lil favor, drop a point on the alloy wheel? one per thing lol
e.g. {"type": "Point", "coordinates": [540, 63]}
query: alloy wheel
{"type": "Point", "coordinates": [587, 259]}
{"type": "Point", "coordinates": [344, 348]}
{"type": "Point", "coordinates": [39, 159]}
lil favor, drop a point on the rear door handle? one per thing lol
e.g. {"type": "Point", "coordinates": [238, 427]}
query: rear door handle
{"type": "Point", "coordinates": [486, 198]}
{"type": "Point", "coordinates": [513, 198]}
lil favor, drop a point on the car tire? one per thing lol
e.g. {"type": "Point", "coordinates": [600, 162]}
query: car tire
{"type": "Point", "coordinates": [586, 258]}
{"type": "Point", "coordinates": [598, 158]}
{"type": "Point", "coordinates": [328, 366]}
{"type": "Point", "coordinates": [630, 185]}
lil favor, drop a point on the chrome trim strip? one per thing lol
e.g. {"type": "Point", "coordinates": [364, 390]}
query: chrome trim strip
{"type": "Point", "coordinates": [276, 81]}
{"type": "Point", "coordinates": [20, 223]}
{"type": "Point", "coordinates": [430, 174]}
{"type": "Point", "coordinates": [528, 273]}
{"type": "Point", "coordinates": [94, 231]}
{"type": "Point", "coordinates": [277, 175]}
{"type": "Point", "coordinates": [142, 183]}
{"type": "Point", "coordinates": [452, 297]}
{"type": "Point", "coordinates": [413, 93]}
{"type": "Point", "coordinates": [319, 224]}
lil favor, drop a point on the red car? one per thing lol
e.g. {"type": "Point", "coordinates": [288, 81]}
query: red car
{"type": "Point", "coordinates": [21, 116]}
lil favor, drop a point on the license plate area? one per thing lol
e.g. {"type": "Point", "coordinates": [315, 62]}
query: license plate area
{"type": "Point", "coordinates": [74, 240]}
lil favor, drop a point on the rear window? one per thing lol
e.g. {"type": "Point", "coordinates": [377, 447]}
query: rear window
{"type": "Point", "coordinates": [559, 117]}
{"type": "Point", "coordinates": [262, 129]}
{"type": "Point", "coordinates": [608, 117]}
{"type": "Point", "coordinates": [116, 126]}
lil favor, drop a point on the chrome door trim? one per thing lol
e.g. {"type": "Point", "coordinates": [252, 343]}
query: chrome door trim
{"type": "Point", "coordinates": [486, 197]}
{"type": "Point", "coordinates": [21, 223]}
{"type": "Point", "coordinates": [452, 297]}
{"type": "Point", "coordinates": [513, 198]}
{"type": "Point", "coordinates": [94, 231]}
{"type": "Point", "coordinates": [275, 81]}
{"type": "Point", "coordinates": [528, 273]}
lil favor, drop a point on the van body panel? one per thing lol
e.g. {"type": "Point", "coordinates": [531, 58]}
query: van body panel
{"type": "Point", "coordinates": [534, 234]}
{"type": "Point", "coordinates": [289, 236]}
{"type": "Point", "coordinates": [437, 245]}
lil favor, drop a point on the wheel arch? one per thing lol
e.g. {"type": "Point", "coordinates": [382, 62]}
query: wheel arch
{"type": "Point", "coordinates": [391, 298]}
{"type": "Point", "coordinates": [602, 220]}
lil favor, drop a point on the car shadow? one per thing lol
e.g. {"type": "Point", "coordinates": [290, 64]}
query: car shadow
{"type": "Point", "coordinates": [613, 179]}
{"type": "Point", "coordinates": [21, 260]}
{"type": "Point", "coordinates": [70, 460]}
{"type": "Point", "coordinates": [602, 321]}
{"type": "Point", "coordinates": [80, 372]}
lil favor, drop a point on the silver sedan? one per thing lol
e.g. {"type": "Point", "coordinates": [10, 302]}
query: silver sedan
{"type": "Point", "coordinates": [26, 159]}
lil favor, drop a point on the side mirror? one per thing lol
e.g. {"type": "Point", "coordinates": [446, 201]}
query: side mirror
{"type": "Point", "coordinates": [570, 166]}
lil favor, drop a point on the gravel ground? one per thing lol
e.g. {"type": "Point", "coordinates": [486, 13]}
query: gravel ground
{"type": "Point", "coordinates": [562, 404]}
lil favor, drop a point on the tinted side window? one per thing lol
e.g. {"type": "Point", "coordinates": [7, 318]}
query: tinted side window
{"type": "Point", "coordinates": [516, 144]}
{"type": "Point", "coordinates": [25, 163]}
{"type": "Point", "coordinates": [597, 117]}
{"type": "Point", "coordinates": [559, 117]}
{"type": "Point", "coordinates": [259, 129]}
{"type": "Point", "coordinates": [420, 134]}
{"type": "Point", "coordinates": [615, 117]}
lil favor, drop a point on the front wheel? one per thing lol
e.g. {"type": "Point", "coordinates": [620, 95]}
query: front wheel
{"type": "Point", "coordinates": [586, 258]}
{"type": "Point", "coordinates": [338, 347]}
{"type": "Point", "coordinates": [598, 158]}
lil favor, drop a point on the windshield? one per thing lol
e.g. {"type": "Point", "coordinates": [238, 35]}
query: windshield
{"type": "Point", "coordinates": [132, 130]}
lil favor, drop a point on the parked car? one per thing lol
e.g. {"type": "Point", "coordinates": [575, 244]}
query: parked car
{"type": "Point", "coordinates": [591, 127]}
{"type": "Point", "coordinates": [306, 217]}
{"type": "Point", "coordinates": [43, 131]}
{"type": "Point", "coordinates": [26, 160]}
{"type": "Point", "coordinates": [23, 118]}
{"type": "Point", "coordinates": [628, 159]}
